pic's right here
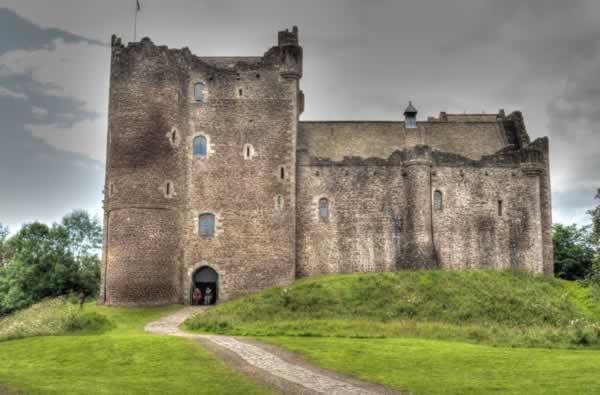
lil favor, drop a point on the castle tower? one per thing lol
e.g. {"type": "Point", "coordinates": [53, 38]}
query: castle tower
{"type": "Point", "coordinates": [144, 174]}
{"type": "Point", "coordinates": [200, 180]}
{"type": "Point", "coordinates": [417, 173]}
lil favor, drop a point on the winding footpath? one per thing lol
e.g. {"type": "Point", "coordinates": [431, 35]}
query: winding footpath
{"type": "Point", "coordinates": [285, 371]}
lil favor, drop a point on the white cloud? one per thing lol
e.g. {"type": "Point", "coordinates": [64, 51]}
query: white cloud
{"type": "Point", "coordinates": [77, 70]}
{"type": "Point", "coordinates": [9, 93]}
{"type": "Point", "coordinates": [87, 137]}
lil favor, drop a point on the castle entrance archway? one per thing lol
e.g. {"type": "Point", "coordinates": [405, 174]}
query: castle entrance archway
{"type": "Point", "coordinates": [206, 279]}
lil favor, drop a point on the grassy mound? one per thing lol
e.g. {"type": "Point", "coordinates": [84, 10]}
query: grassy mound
{"type": "Point", "coordinates": [478, 306]}
{"type": "Point", "coordinates": [50, 318]}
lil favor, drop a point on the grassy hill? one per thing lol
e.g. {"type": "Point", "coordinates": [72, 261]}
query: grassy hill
{"type": "Point", "coordinates": [104, 350]}
{"type": "Point", "coordinates": [491, 307]}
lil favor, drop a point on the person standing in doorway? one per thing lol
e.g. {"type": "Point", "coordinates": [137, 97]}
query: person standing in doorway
{"type": "Point", "coordinates": [196, 296]}
{"type": "Point", "coordinates": [208, 296]}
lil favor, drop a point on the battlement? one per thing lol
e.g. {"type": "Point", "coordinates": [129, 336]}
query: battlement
{"type": "Point", "coordinates": [285, 37]}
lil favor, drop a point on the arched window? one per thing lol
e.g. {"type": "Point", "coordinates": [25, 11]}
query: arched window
{"type": "Point", "coordinates": [206, 225]}
{"type": "Point", "coordinates": [324, 210]}
{"type": "Point", "coordinates": [200, 147]}
{"type": "Point", "coordinates": [437, 200]}
{"type": "Point", "coordinates": [199, 91]}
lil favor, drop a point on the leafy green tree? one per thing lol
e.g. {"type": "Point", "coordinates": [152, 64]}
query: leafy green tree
{"type": "Point", "coordinates": [44, 261]}
{"type": "Point", "coordinates": [573, 251]}
{"type": "Point", "coordinates": [595, 213]}
{"type": "Point", "coordinates": [85, 240]}
{"type": "Point", "coordinates": [3, 236]}
{"type": "Point", "coordinates": [38, 266]}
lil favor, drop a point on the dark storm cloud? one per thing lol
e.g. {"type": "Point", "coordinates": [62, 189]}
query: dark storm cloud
{"type": "Point", "coordinates": [17, 32]}
{"type": "Point", "coordinates": [39, 181]}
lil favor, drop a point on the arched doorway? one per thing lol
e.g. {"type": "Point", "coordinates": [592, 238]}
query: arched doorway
{"type": "Point", "coordinates": [206, 279]}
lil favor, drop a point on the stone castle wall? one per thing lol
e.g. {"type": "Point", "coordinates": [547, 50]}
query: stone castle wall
{"type": "Point", "coordinates": [249, 116]}
{"type": "Point", "coordinates": [382, 216]}
{"type": "Point", "coordinates": [265, 172]}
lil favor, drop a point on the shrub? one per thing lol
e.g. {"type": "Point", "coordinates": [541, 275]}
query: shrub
{"type": "Point", "coordinates": [50, 318]}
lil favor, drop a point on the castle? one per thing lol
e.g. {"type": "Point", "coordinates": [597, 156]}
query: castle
{"type": "Point", "coordinates": [213, 181]}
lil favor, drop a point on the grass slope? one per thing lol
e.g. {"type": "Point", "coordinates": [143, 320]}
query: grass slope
{"type": "Point", "coordinates": [445, 368]}
{"type": "Point", "coordinates": [500, 308]}
{"type": "Point", "coordinates": [51, 318]}
{"type": "Point", "coordinates": [122, 360]}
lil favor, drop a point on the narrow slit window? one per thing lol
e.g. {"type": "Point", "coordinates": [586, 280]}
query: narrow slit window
{"type": "Point", "coordinates": [437, 200]}
{"type": "Point", "coordinates": [199, 91]}
{"type": "Point", "coordinates": [240, 92]}
{"type": "Point", "coordinates": [168, 189]}
{"type": "Point", "coordinates": [174, 136]}
{"type": "Point", "coordinates": [200, 147]}
{"type": "Point", "coordinates": [324, 210]}
{"type": "Point", "coordinates": [247, 152]}
{"type": "Point", "coordinates": [500, 208]}
{"type": "Point", "coordinates": [282, 172]}
{"type": "Point", "coordinates": [206, 225]}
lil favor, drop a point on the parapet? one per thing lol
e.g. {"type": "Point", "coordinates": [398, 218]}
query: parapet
{"type": "Point", "coordinates": [285, 56]}
{"type": "Point", "coordinates": [285, 37]}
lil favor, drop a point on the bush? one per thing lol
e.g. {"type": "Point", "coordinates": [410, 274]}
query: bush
{"type": "Point", "coordinates": [50, 318]}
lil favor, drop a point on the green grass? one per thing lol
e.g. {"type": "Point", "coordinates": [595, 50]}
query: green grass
{"type": "Point", "coordinates": [120, 360]}
{"type": "Point", "coordinates": [490, 307]}
{"type": "Point", "coordinates": [51, 318]}
{"type": "Point", "coordinates": [444, 367]}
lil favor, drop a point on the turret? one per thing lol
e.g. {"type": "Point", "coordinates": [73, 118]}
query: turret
{"type": "Point", "coordinates": [290, 54]}
{"type": "Point", "coordinates": [410, 116]}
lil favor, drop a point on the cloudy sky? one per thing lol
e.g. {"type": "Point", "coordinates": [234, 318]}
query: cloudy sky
{"type": "Point", "coordinates": [363, 60]}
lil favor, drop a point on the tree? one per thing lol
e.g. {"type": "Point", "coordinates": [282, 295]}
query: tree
{"type": "Point", "coordinates": [38, 266]}
{"type": "Point", "coordinates": [42, 261]}
{"type": "Point", "coordinates": [3, 236]}
{"type": "Point", "coordinates": [595, 213]}
{"type": "Point", "coordinates": [84, 234]}
{"type": "Point", "coordinates": [594, 276]}
{"type": "Point", "coordinates": [573, 251]}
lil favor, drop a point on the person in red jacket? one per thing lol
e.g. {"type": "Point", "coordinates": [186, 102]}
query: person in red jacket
{"type": "Point", "coordinates": [196, 296]}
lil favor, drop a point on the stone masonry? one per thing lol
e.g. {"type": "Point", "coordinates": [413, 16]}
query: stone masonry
{"type": "Point", "coordinates": [295, 198]}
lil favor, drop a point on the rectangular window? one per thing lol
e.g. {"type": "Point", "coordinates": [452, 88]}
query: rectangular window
{"type": "Point", "coordinates": [199, 91]}
{"type": "Point", "coordinates": [206, 225]}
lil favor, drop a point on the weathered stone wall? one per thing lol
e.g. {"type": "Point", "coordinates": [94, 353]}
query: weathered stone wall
{"type": "Point", "coordinates": [142, 250]}
{"type": "Point", "coordinates": [152, 240]}
{"type": "Point", "coordinates": [367, 204]}
{"type": "Point", "coordinates": [469, 232]}
{"type": "Point", "coordinates": [254, 246]}
{"type": "Point", "coordinates": [336, 139]}
{"type": "Point", "coordinates": [382, 216]}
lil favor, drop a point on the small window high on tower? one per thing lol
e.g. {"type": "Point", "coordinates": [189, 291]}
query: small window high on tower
{"type": "Point", "coordinates": [200, 147]}
{"type": "Point", "coordinates": [199, 91]}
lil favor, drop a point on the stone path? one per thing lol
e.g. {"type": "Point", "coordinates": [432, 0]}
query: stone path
{"type": "Point", "coordinates": [288, 374]}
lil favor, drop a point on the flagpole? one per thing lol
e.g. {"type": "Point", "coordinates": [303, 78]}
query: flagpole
{"type": "Point", "coordinates": [137, 9]}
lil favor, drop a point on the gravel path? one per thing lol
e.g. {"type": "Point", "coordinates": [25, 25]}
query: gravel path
{"type": "Point", "coordinates": [285, 371]}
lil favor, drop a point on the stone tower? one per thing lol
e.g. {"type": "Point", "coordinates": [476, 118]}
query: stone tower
{"type": "Point", "coordinates": [193, 137]}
